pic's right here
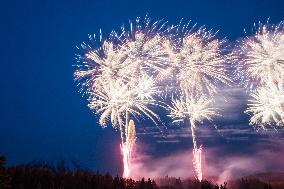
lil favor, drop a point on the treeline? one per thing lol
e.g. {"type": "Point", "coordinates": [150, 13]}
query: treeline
{"type": "Point", "coordinates": [44, 178]}
{"type": "Point", "coordinates": [177, 183]}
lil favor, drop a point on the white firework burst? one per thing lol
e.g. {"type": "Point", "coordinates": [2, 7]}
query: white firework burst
{"type": "Point", "coordinates": [260, 58]}
{"type": "Point", "coordinates": [267, 106]}
{"type": "Point", "coordinates": [105, 63]}
{"type": "Point", "coordinates": [113, 100]}
{"type": "Point", "coordinates": [197, 62]}
{"type": "Point", "coordinates": [125, 56]}
{"type": "Point", "coordinates": [196, 110]}
{"type": "Point", "coordinates": [142, 46]}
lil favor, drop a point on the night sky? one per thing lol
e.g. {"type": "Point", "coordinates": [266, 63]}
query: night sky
{"type": "Point", "coordinates": [44, 116]}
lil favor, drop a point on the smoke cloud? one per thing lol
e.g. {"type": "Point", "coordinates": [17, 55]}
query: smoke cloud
{"type": "Point", "coordinates": [217, 166]}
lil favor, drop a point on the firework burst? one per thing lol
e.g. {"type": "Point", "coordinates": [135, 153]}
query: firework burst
{"type": "Point", "coordinates": [260, 68]}
{"type": "Point", "coordinates": [267, 106]}
{"type": "Point", "coordinates": [121, 77]}
{"type": "Point", "coordinates": [116, 101]}
{"type": "Point", "coordinates": [196, 110]}
{"type": "Point", "coordinates": [259, 58]}
{"type": "Point", "coordinates": [118, 77]}
{"type": "Point", "coordinates": [197, 62]}
{"type": "Point", "coordinates": [143, 46]}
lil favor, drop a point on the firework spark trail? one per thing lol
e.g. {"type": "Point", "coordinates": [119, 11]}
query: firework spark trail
{"type": "Point", "coordinates": [260, 68]}
{"type": "Point", "coordinates": [197, 153]}
{"type": "Point", "coordinates": [195, 111]}
{"type": "Point", "coordinates": [197, 64]}
{"type": "Point", "coordinates": [127, 147]}
{"type": "Point", "coordinates": [197, 162]}
{"type": "Point", "coordinates": [126, 150]}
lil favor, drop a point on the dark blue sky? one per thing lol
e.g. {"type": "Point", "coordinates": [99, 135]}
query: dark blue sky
{"type": "Point", "coordinates": [42, 114]}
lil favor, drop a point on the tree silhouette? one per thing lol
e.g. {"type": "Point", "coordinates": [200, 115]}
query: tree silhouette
{"type": "Point", "coordinates": [63, 178]}
{"type": "Point", "coordinates": [4, 177]}
{"type": "Point", "coordinates": [2, 161]}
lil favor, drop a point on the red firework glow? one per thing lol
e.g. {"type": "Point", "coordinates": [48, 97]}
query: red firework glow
{"type": "Point", "coordinates": [126, 151]}
{"type": "Point", "coordinates": [197, 162]}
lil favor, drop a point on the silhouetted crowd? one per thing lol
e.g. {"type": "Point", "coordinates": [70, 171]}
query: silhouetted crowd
{"type": "Point", "coordinates": [43, 178]}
